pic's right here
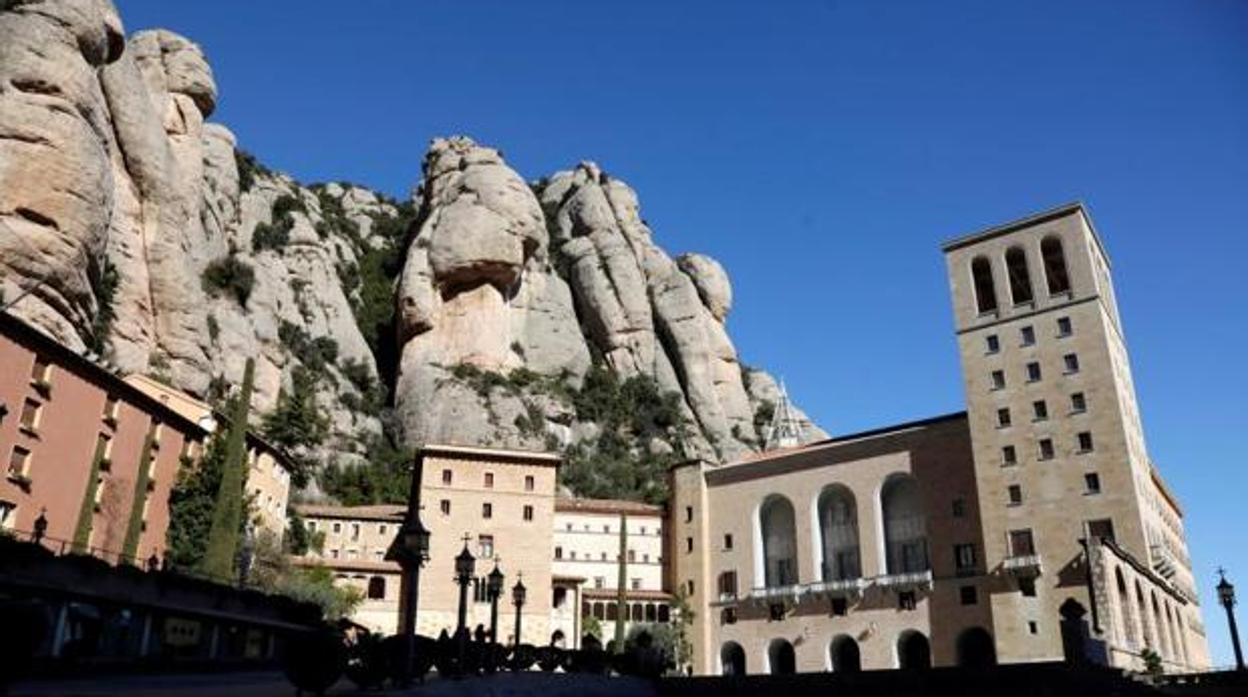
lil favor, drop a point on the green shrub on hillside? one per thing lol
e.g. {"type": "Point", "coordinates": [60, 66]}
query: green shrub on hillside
{"type": "Point", "coordinates": [231, 276]}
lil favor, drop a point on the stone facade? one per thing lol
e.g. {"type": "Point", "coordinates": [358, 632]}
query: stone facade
{"type": "Point", "coordinates": [957, 540]}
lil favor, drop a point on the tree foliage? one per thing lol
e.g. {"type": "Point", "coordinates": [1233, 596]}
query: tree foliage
{"type": "Point", "coordinates": [230, 276]}
{"type": "Point", "coordinates": [296, 424]}
{"type": "Point", "coordinates": [229, 511]}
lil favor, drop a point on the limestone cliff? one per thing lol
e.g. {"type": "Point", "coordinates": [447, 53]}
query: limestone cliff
{"type": "Point", "coordinates": [492, 310]}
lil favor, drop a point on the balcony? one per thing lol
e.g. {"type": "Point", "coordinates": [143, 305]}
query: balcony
{"type": "Point", "coordinates": [1163, 561]}
{"type": "Point", "coordinates": [792, 592]}
{"type": "Point", "coordinates": [1023, 565]}
{"type": "Point", "coordinates": [905, 581]}
{"type": "Point", "coordinates": [838, 588]}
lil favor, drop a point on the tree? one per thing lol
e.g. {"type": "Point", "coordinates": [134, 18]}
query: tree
{"type": "Point", "coordinates": [682, 621]}
{"type": "Point", "coordinates": [86, 510]}
{"type": "Point", "coordinates": [273, 572]}
{"type": "Point", "coordinates": [296, 424]}
{"type": "Point", "coordinates": [227, 515]}
{"type": "Point", "coordinates": [134, 528]}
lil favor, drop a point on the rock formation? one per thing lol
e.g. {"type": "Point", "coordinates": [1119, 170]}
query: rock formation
{"type": "Point", "coordinates": [134, 229]}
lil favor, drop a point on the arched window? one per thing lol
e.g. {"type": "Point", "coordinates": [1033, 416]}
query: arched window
{"type": "Point", "coordinates": [665, 614]}
{"type": "Point", "coordinates": [913, 651]}
{"type": "Point", "coordinates": [905, 536]}
{"type": "Point", "coordinates": [1124, 604]}
{"type": "Point", "coordinates": [587, 609]}
{"type": "Point", "coordinates": [637, 611]}
{"type": "Point", "coordinates": [1163, 639]}
{"type": "Point", "coordinates": [1020, 276]}
{"type": "Point", "coordinates": [600, 611]}
{"type": "Point", "coordinates": [838, 528]}
{"type": "Point", "coordinates": [612, 612]}
{"type": "Point", "coordinates": [1145, 630]}
{"type": "Point", "coordinates": [1055, 265]}
{"type": "Point", "coordinates": [985, 290]}
{"type": "Point", "coordinates": [652, 614]}
{"type": "Point", "coordinates": [732, 659]}
{"type": "Point", "coordinates": [844, 655]}
{"type": "Point", "coordinates": [376, 588]}
{"type": "Point", "coordinates": [780, 657]}
{"type": "Point", "coordinates": [779, 542]}
{"type": "Point", "coordinates": [976, 648]}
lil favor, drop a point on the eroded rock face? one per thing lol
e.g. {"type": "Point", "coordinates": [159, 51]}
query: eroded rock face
{"type": "Point", "coordinates": [106, 160]}
{"type": "Point", "coordinates": [541, 284]}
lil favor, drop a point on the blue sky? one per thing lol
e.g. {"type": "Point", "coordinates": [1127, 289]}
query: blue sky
{"type": "Point", "coordinates": [822, 153]}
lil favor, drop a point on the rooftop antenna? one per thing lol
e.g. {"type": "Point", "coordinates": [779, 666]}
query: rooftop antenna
{"type": "Point", "coordinates": [785, 430]}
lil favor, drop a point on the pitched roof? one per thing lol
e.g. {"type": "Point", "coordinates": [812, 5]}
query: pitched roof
{"type": "Point", "coordinates": [383, 512]}
{"type": "Point", "coordinates": [570, 504]}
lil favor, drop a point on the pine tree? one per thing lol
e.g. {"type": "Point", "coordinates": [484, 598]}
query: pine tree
{"type": "Point", "coordinates": [218, 561]}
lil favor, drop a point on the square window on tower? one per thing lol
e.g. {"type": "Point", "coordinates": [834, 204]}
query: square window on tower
{"type": "Point", "coordinates": [1027, 335]}
{"type": "Point", "coordinates": [993, 343]}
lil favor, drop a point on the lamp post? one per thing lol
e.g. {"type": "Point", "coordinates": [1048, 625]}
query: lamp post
{"type": "Point", "coordinates": [517, 598]}
{"type": "Point", "coordinates": [410, 549]}
{"type": "Point", "coordinates": [494, 589]}
{"type": "Point", "coordinates": [465, 566]}
{"type": "Point", "coordinates": [1226, 596]}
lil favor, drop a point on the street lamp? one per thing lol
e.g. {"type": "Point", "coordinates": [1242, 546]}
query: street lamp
{"type": "Point", "coordinates": [465, 566]}
{"type": "Point", "coordinates": [517, 599]}
{"type": "Point", "coordinates": [1226, 596]}
{"type": "Point", "coordinates": [410, 548]}
{"type": "Point", "coordinates": [494, 589]}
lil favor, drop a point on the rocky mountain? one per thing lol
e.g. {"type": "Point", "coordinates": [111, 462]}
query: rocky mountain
{"type": "Point", "coordinates": [487, 310]}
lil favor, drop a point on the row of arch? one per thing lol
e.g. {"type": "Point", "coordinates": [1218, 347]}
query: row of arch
{"type": "Point", "coordinates": [836, 513]}
{"type": "Point", "coordinates": [375, 587]}
{"type": "Point", "coordinates": [975, 649]}
{"type": "Point", "coordinates": [1018, 273]}
{"type": "Point", "coordinates": [1162, 629]}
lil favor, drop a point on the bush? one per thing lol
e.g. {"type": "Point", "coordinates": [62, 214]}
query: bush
{"type": "Point", "coordinates": [231, 276]}
{"type": "Point", "coordinates": [103, 278]}
{"type": "Point", "coordinates": [276, 235]}
{"type": "Point", "coordinates": [315, 354]}
{"type": "Point", "coordinates": [248, 168]}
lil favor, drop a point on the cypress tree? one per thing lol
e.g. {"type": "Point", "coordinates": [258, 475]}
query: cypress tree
{"type": "Point", "coordinates": [130, 548]}
{"type": "Point", "coordinates": [218, 561]}
{"type": "Point", "coordinates": [621, 607]}
{"type": "Point", "coordinates": [86, 511]}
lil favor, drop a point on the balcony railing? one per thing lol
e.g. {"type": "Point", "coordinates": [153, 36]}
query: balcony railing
{"type": "Point", "coordinates": [909, 579]}
{"type": "Point", "coordinates": [1163, 562]}
{"type": "Point", "coordinates": [1023, 564]}
{"type": "Point", "coordinates": [842, 587]}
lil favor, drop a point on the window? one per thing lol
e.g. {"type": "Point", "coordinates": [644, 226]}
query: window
{"type": "Point", "coordinates": [8, 516]}
{"type": "Point", "coordinates": [603, 556]}
{"type": "Point", "coordinates": [1033, 372]}
{"type": "Point", "coordinates": [688, 544]}
{"type": "Point", "coordinates": [776, 612]}
{"type": "Point", "coordinates": [1046, 448]}
{"type": "Point", "coordinates": [599, 582]}
{"type": "Point", "coordinates": [1102, 529]}
{"type": "Point", "coordinates": [1078, 404]}
{"type": "Point", "coordinates": [728, 583]}
{"type": "Point", "coordinates": [1009, 456]}
{"type": "Point", "coordinates": [1092, 483]}
{"type": "Point", "coordinates": [558, 552]}
{"type": "Point", "coordinates": [381, 529]}
{"type": "Point", "coordinates": [355, 532]}
{"type": "Point", "coordinates": [635, 583]}
{"type": "Point", "coordinates": [104, 450]}
{"type": "Point", "coordinates": [1064, 328]}
{"type": "Point", "coordinates": [968, 595]}
{"type": "Point", "coordinates": [632, 556]}
{"type": "Point", "coordinates": [1003, 417]}
{"type": "Point", "coordinates": [333, 554]}
{"type": "Point", "coordinates": [1021, 543]}
{"type": "Point", "coordinates": [728, 541]}
{"type": "Point", "coordinates": [376, 588]}
{"type": "Point", "coordinates": [906, 600]}
{"type": "Point", "coordinates": [840, 607]}
{"type": "Point", "coordinates": [1020, 276]}
{"type": "Point", "coordinates": [1027, 586]}
{"type": "Point", "coordinates": [1072, 362]}
{"type": "Point", "coordinates": [1085, 442]}
{"type": "Point", "coordinates": [688, 514]}
{"type": "Point", "coordinates": [1040, 410]}
{"type": "Point", "coordinates": [985, 290]}
{"type": "Point", "coordinates": [485, 546]}
{"type": "Point", "coordinates": [19, 462]}
{"type": "Point", "coordinates": [110, 408]}
{"type": "Point", "coordinates": [959, 508]}
{"type": "Point", "coordinates": [1032, 627]}
{"type": "Point", "coordinates": [728, 615]}
{"type": "Point", "coordinates": [1015, 493]}
{"type": "Point", "coordinates": [994, 344]}
{"type": "Point", "coordinates": [572, 555]}
{"type": "Point", "coordinates": [998, 379]}
{"type": "Point", "coordinates": [337, 528]}
{"type": "Point", "coordinates": [480, 590]}
{"type": "Point", "coordinates": [645, 558]}
{"type": "Point", "coordinates": [1027, 335]}
{"type": "Point", "coordinates": [528, 512]}
{"type": "Point", "coordinates": [1054, 265]}
{"type": "Point", "coordinates": [446, 477]}
{"type": "Point", "coordinates": [529, 483]}
{"type": "Point", "coordinates": [487, 510]}
{"type": "Point", "coordinates": [445, 506]}
{"type": "Point", "coordinates": [606, 528]}
{"type": "Point", "coordinates": [30, 415]}
{"type": "Point", "coordinates": [964, 558]}
{"type": "Point", "coordinates": [489, 480]}
{"type": "Point", "coordinates": [312, 525]}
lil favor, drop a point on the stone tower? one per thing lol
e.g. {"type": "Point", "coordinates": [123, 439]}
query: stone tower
{"type": "Point", "coordinates": [1059, 450]}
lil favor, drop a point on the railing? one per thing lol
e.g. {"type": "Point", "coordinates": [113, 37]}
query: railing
{"type": "Point", "coordinates": [1023, 563]}
{"type": "Point", "coordinates": [1163, 562]}
{"type": "Point", "coordinates": [840, 586]}
{"type": "Point", "coordinates": [909, 578]}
